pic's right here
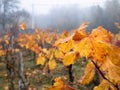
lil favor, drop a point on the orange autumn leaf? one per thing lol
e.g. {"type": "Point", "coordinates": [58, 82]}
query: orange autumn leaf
{"type": "Point", "coordinates": [100, 51]}
{"type": "Point", "coordinates": [113, 72]}
{"type": "Point", "coordinates": [23, 26]}
{"type": "Point", "coordinates": [57, 85]}
{"type": "Point", "coordinates": [78, 35]}
{"type": "Point", "coordinates": [89, 47]}
{"type": "Point", "coordinates": [60, 85]}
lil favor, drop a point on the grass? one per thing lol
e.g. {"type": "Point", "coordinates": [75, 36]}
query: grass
{"type": "Point", "coordinates": [37, 76]}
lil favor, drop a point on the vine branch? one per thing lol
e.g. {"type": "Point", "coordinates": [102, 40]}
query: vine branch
{"type": "Point", "coordinates": [102, 75]}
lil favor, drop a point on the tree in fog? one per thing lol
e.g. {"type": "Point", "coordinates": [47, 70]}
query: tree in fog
{"type": "Point", "coordinates": [11, 16]}
{"type": "Point", "coordinates": [112, 14]}
{"type": "Point", "coordinates": [97, 16]}
{"type": "Point", "coordinates": [17, 18]}
{"type": "Point", "coordinates": [72, 16]}
{"type": "Point", "coordinates": [7, 8]}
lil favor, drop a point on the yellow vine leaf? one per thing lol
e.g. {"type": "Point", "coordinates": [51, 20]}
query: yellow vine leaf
{"type": "Point", "coordinates": [23, 26]}
{"type": "Point", "coordinates": [89, 47]}
{"type": "Point", "coordinates": [40, 60]}
{"type": "Point", "coordinates": [58, 54]}
{"type": "Point", "coordinates": [66, 47]}
{"type": "Point", "coordinates": [69, 58]}
{"type": "Point", "coordinates": [111, 66]}
{"type": "Point", "coordinates": [114, 56]}
{"type": "Point", "coordinates": [105, 85]}
{"type": "Point", "coordinates": [100, 51]}
{"type": "Point", "coordinates": [89, 74]}
{"type": "Point", "coordinates": [113, 72]}
{"type": "Point", "coordinates": [102, 35]}
{"type": "Point", "coordinates": [83, 47]}
{"type": "Point", "coordinates": [52, 64]}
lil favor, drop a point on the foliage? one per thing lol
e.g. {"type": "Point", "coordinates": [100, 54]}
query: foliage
{"type": "Point", "coordinates": [51, 49]}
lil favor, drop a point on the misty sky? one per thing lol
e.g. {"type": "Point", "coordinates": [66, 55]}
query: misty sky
{"type": "Point", "coordinates": [44, 6]}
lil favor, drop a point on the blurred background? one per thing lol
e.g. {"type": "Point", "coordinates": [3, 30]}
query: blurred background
{"type": "Point", "coordinates": [58, 14]}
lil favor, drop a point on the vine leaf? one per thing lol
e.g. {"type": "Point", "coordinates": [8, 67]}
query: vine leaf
{"type": "Point", "coordinates": [83, 47]}
{"type": "Point", "coordinates": [89, 47]}
{"type": "Point", "coordinates": [52, 64]}
{"type": "Point", "coordinates": [113, 72]}
{"type": "Point", "coordinates": [115, 56]}
{"type": "Point", "coordinates": [89, 74]}
{"type": "Point", "coordinates": [66, 47]}
{"type": "Point", "coordinates": [23, 26]}
{"type": "Point", "coordinates": [102, 35]}
{"type": "Point", "coordinates": [79, 34]}
{"type": "Point", "coordinates": [69, 58]}
{"type": "Point", "coordinates": [60, 85]}
{"type": "Point", "coordinates": [40, 60]}
{"type": "Point", "coordinates": [105, 85]}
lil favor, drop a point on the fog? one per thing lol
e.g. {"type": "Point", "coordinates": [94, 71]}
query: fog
{"type": "Point", "coordinates": [71, 16]}
{"type": "Point", "coordinates": [60, 14]}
